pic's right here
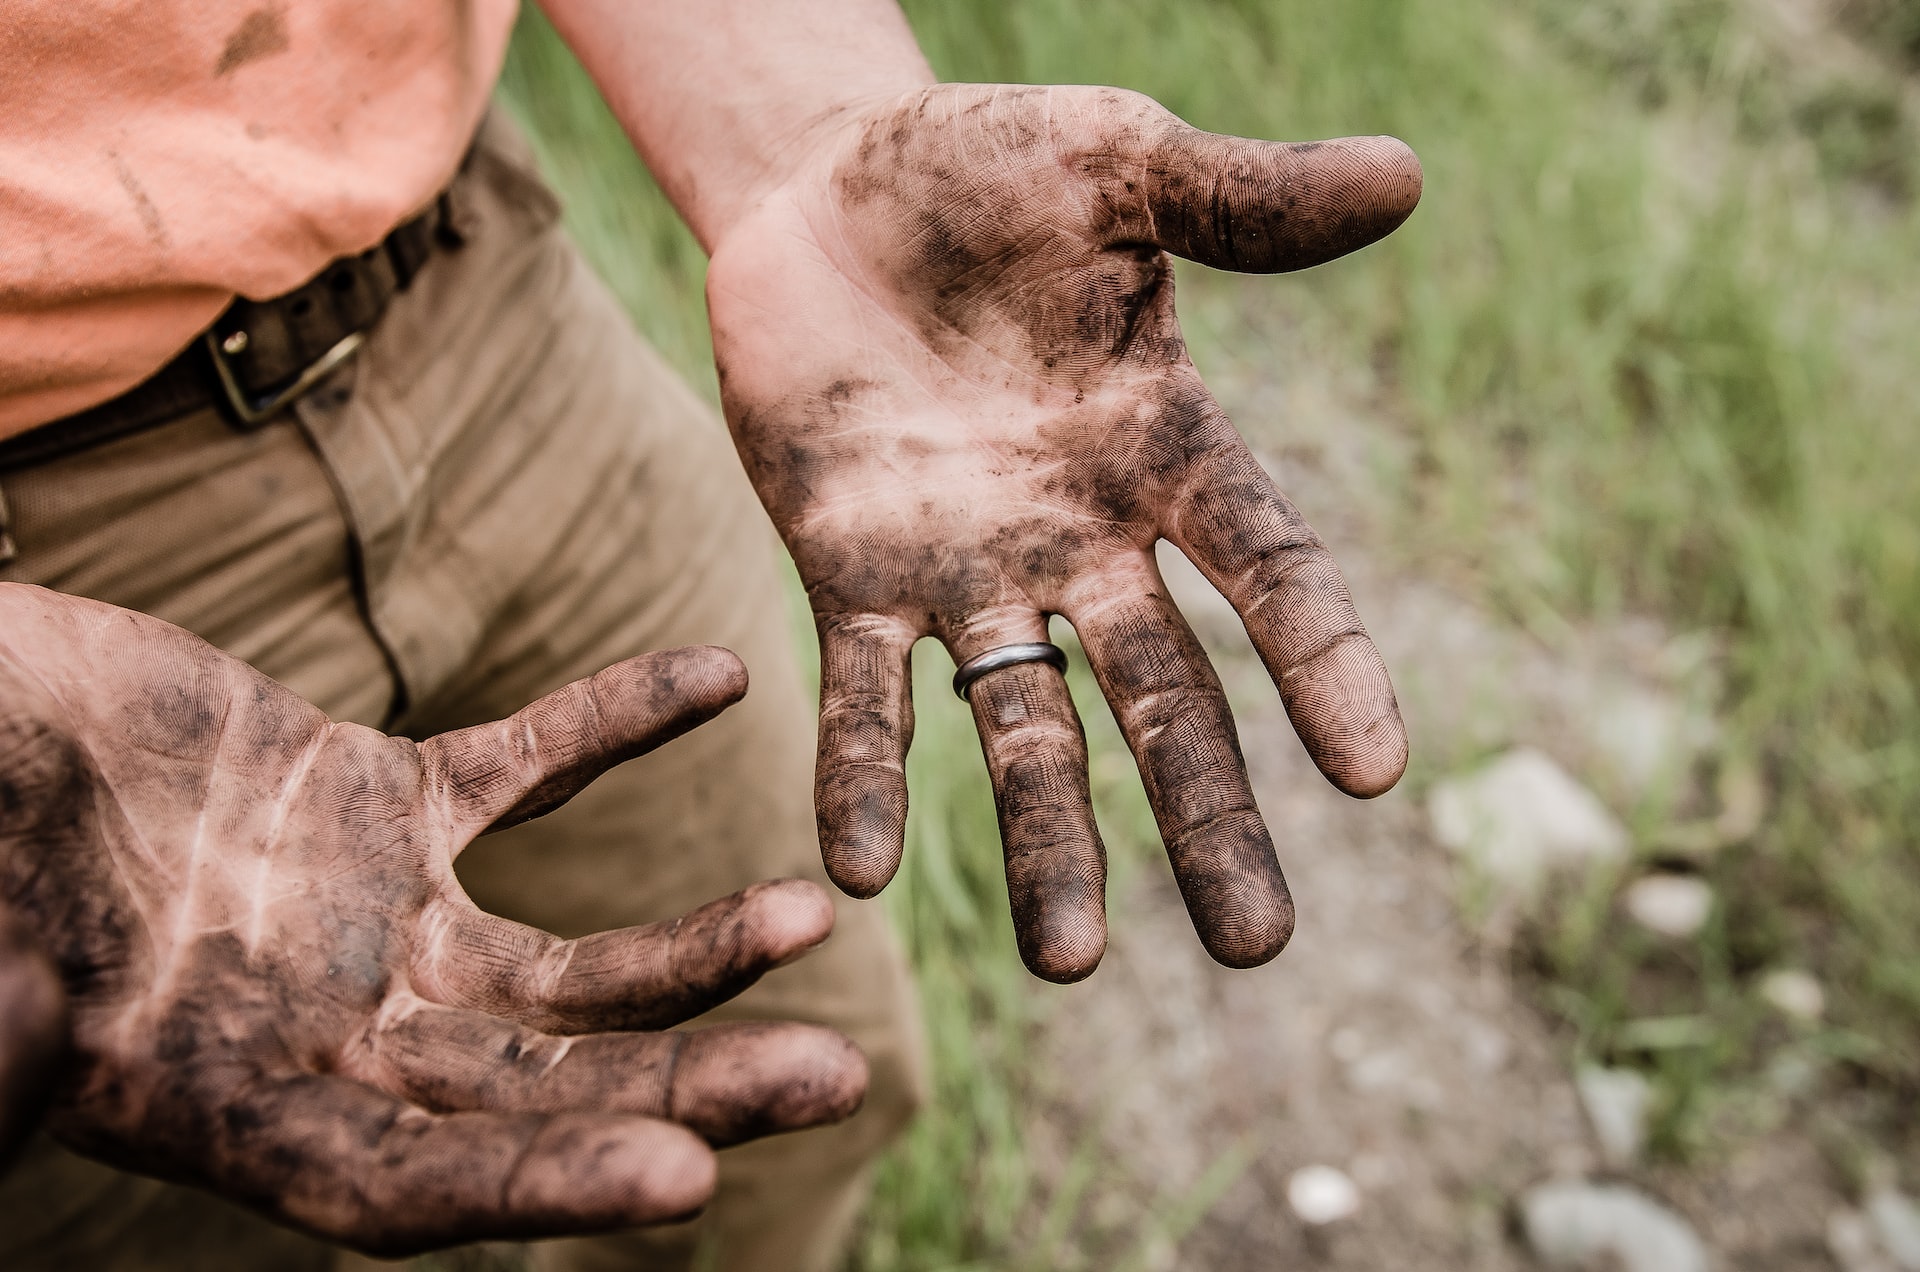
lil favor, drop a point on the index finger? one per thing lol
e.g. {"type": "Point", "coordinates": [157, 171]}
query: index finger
{"type": "Point", "coordinates": [635, 978]}
{"type": "Point", "coordinates": [1254, 546]}
{"type": "Point", "coordinates": [508, 771]}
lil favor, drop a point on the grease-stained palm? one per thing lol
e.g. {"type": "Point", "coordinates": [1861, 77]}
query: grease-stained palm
{"type": "Point", "coordinates": [950, 359]}
{"type": "Point", "coordinates": [278, 990]}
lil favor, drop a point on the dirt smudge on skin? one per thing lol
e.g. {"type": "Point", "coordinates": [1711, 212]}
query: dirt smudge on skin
{"type": "Point", "coordinates": [261, 33]}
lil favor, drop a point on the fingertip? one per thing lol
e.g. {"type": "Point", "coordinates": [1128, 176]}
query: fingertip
{"type": "Point", "coordinates": [1059, 918]}
{"type": "Point", "coordinates": [677, 1174]}
{"type": "Point", "coordinates": [1372, 185]}
{"type": "Point", "coordinates": [713, 672]}
{"type": "Point", "coordinates": [858, 881]}
{"type": "Point", "coordinates": [862, 827]}
{"type": "Point", "coordinates": [699, 681]}
{"type": "Point", "coordinates": [1234, 890]}
{"type": "Point", "coordinates": [1253, 937]}
{"type": "Point", "coordinates": [739, 1082]}
{"type": "Point", "coordinates": [1343, 707]}
{"type": "Point", "coordinates": [855, 1076]}
{"type": "Point", "coordinates": [791, 916]}
{"type": "Point", "coordinates": [1380, 764]}
{"type": "Point", "coordinates": [735, 679]}
{"type": "Point", "coordinates": [1067, 953]}
{"type": "Point", "coordinates": [1402, 177]}
{"type": "Point", "coordinates": [588, 1172]}
{"type": "Point", "coordinates": [830, 1086]}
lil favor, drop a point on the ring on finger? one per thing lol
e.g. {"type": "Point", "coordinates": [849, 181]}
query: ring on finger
{"type": "Point", "coordinates": [1007, 656]}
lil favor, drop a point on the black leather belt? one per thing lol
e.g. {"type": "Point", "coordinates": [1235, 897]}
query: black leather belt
{"type": "Point", "coordinates": [259, 356]}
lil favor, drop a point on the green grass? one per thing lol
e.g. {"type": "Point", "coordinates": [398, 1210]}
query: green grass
{"type": "Point", "coordinates": [1651, 342]}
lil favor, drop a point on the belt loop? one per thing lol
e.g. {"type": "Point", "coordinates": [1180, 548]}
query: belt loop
{"type": "Point", "coordinates": [9, 550]}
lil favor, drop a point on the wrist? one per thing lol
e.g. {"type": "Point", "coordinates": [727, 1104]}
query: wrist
{"type": "Point", "coordinates": [726, 100]}
{"type": "Point", "coordinates": [795, 153]}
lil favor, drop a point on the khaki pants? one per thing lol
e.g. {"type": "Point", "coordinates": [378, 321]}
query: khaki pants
{"type": "Point", "coordinates": [504, 491]}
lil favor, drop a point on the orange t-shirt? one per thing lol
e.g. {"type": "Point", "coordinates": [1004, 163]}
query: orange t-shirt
{"type": "Point", "coordinates": [158, 157]}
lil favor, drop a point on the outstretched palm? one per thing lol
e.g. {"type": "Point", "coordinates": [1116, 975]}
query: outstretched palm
{"type": "Point", "coordinates": [278, 990]}
{"type": "Point", "coordinates": [949, 356]}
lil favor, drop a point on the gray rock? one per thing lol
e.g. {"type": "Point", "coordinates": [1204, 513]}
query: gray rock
{"type": "Point", "coordinates": [1522, 817]}
{"type": "Point", "coordinates": [1644, 738]}
{"type": "Point", "coordinates": [1671, 905]}
{"type": "Point", "coordinates": [1572, 1224]}
{"type": "Point", "coordinates": [1616, 1101]}
{"type": "Point", "coordinates": [1851, 1242]}
{"type": "Point", "coordinates": [1322, 1194]}
{"type": "Point", "coordinates": [1794, 993]}
{"type": "Point", "coordinates": [1896, 1223]}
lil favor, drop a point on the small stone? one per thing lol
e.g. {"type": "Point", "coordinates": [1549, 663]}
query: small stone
{"type": "Point", "coordinates": [1896, 1222]}
{"type": "Point", "coordinates": [1672, 905]}
{"type": "Point", "coordinates": [1643, 736]}
{"type": "Point", "coordinates": [1850, 1240]}
{"type": "Point", "coordinates": [1521, 817]}
{"type": "Point", "coordinates": [1574, 1224]}
{"type": "Point", "coordinates": [1794, 993]}
{"type": "Point", "coordinates": [1616, 1101]}
{"type": "Point", "coordinates": [1322, 1194]}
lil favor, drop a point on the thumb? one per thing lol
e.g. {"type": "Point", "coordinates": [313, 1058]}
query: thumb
{"type": "Point", "coordinates": [496, 775]}
{"type": "Point", "coordinates": [1266, 207]}
{"type": "Point", "coordinates": [33, 1030]}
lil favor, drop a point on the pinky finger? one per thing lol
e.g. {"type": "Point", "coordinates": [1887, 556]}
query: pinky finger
{"type": "Point", "coordinates": [360, 1167]}
{"type": "Point", "coordinates": [866, 725]}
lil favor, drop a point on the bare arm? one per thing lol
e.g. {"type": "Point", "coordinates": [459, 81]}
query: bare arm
{"type": "Point", "coordinates": [724, 97]}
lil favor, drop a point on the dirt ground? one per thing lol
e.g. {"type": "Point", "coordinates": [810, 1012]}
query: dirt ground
{"type": "Point", "coordinates": [1388, 1040]}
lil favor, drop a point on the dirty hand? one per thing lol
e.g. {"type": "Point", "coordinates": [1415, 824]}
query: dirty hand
{"type": "Point", "coordinates": [949, 356]}
{"type": "Point", "coordinates": [278, 991]}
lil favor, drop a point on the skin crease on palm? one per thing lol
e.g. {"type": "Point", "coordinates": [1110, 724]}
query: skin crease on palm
{"type": "Point", "coordinates": [275, 988]}
{"type": "Point", "coordinates": [949, 356]}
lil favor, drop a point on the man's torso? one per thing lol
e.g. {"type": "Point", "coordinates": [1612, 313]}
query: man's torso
{"type": "Point", "coordinates": [157, 159]}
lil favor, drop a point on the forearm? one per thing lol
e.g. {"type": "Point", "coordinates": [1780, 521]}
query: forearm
{"type": "Point", "coordinates": [723, 97]}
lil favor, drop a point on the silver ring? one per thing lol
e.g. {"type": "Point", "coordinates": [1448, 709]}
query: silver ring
{"type": "Point", "coordinates": [1006, 656]}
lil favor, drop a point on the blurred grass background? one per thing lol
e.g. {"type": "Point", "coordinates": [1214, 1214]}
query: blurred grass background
{"type": "Point", "coordinates": [1652, 340]}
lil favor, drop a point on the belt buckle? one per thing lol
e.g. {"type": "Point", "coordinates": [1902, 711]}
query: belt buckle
{"type": "Point", "coordinates": [252, 411]}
